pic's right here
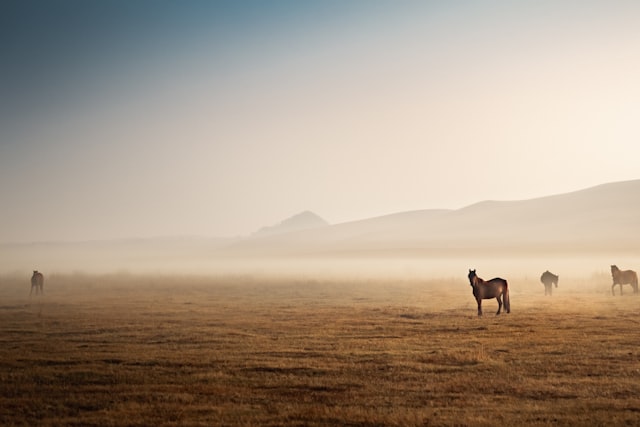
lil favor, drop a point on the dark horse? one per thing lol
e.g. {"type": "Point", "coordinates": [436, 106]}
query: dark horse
{"type": "Point", "coordinates": [548, 279]}
{"type": "Point", "coordinates": [37, 282]}
{"type": "Point", "coordinates": [627, 277]}
{"type": "Point", "coordinates": [495, 288]}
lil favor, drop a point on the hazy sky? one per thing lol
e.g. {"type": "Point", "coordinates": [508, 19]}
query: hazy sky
{"type": "Point", "coordinates": [162, 118]}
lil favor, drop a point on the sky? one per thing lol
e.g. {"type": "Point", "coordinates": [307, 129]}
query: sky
{"type": "Point", "coordinates": [136, 119]}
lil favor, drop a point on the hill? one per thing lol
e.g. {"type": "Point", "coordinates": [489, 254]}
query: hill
{"type": "Point", "coordinates": [601, 218]}
{"type": "Point", "coordinates": [303, 221]}
{"type": "Point", "coordinates": [597, 226]}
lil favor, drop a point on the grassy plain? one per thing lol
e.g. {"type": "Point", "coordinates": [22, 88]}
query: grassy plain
{"type": "Point", "coordinates": [244, 350]}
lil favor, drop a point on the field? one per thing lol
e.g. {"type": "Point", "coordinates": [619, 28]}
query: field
{"type": "Point", "coordinates": [247, 350]}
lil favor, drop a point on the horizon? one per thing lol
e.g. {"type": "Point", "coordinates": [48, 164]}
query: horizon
{"type": "Point", "coordinates": [161, 120]}
{"type": "Point", "coordinates": [517, 237]}
{"type": "Point", "coordinates": [268, 227]}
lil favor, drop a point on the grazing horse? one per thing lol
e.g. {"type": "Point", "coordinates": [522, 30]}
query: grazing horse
{"type": "Point", "coordinates": [548, 279]}
{"type": "Point", "coordinates": [37, 282]}
{"type": "Point", "coordinates": [627, 277]}
{"type": "Point", "coordinates": [495, 288]}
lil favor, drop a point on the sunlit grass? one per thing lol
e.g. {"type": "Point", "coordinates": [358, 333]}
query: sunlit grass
{"type": "Point", "coordinates": [243, 350]}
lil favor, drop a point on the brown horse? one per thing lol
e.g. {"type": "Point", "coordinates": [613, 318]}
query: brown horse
{"type": "Point", "coordinates": [548, 279]}
{"type": "Point", "coordinates": [37, 282]}
{"type": "Point", "coordinates": [627, 277]}
{"type": "Point", "coordinates": [495, 288]}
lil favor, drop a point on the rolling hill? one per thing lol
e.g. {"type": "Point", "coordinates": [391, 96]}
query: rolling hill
{"type": "Point", "coordinates": [303, 221]}
{"type": "Point", "coordinates": [601, 218]}
{"type": "Point", "coordinates": [600, 222]}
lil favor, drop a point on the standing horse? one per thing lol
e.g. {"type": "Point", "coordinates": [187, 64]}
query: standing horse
{"type": "Point", "coordinates": [627, 277]}
{"type": "Point", "coordinates": [548, 279]}
{"type": "Point", "coordinates": [495, 288]}
{"type": "Point", "coordinates": [37, 282]}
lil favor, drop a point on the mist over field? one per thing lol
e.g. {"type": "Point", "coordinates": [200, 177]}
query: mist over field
{"type": "Point", "coordinates": [578, 234]}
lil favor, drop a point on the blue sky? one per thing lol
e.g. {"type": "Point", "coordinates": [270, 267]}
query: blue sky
{"type": "Point", "coordinates": [155, 118]}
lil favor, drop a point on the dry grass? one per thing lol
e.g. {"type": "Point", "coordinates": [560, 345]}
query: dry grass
{"type": "Point", "coordinates": [128, 350]}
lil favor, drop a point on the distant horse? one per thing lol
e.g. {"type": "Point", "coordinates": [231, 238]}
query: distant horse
{"type": "Point", "coordinates": [495, 288]}
{"type": "Point", "coordinates": [37, 282]}
{"type": "Point", "coordinates": [627, 277]}
{"type": "Point", "coordinates": [548, 279]}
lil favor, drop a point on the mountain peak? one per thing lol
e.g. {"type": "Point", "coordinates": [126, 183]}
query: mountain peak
{"type": "Point", "coordinates": [301, 221]}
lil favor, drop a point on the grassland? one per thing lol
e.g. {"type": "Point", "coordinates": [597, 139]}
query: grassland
{"type": "Point", "coordinates": [241, 350]}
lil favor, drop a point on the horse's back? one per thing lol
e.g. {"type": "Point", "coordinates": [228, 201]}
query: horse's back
{"type": "Point", "coordinates": [37, 278]}
{"type": "Point", "coordinates": [548, 276]}
{"type": "Point", "coordinates": [495, 286]}
{"type": "Point", "coordinates": [625, 276]}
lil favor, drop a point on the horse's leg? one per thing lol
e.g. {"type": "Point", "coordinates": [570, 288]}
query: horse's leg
{"type": "Point", "coordinates": [499, 304]}
{"type": "Point", "coordinates": [479, 300]}
{"type": "Point", "coordinates": [613, 289]}
{"type": "Point", "coordinates": [507, 301]}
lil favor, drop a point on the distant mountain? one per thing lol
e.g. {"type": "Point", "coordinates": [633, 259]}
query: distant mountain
{"type": "Point", "coordinates": [602, 221]}
{"type": "Point", "coordinates": [602, 218]}
{"type": "Point", "coordinates": [303, 221]}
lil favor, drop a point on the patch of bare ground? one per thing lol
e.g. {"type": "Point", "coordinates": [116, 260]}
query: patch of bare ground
{"type": "Point", "coordinates": [127, 350]}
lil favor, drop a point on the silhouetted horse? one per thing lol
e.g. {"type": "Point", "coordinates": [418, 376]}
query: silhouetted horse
{"type": "Point", "coordinates": [627, 277]}
{"type": "Point", "coordinates": [495, 288]}
{"type": "Point", "coordinates": [548, 279]}
{"type": "Point", "coordinates": [37, 281]}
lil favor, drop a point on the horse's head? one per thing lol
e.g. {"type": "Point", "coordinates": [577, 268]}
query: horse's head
{"type": "Point", "coordinates": [472, 277]}
{"type": "Point", "coordinates": [614, 268]}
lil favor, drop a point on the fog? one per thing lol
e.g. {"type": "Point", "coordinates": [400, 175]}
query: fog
{"type": "Point", "coordinates": [199, 260]}
{"type": "Point", "coordinates": [577, 234]}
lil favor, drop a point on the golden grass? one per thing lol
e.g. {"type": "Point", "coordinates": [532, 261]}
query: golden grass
{"type": "Point", "coordinates": [129, 350]}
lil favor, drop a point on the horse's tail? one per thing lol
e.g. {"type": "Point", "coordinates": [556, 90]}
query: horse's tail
{"type": "Point", "coordinates": [507, 302]}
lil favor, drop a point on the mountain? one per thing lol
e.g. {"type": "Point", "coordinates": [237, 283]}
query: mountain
{"type": "Point", "coordinates": [601, 218]}
{"type": "Point", "coordinates": [303, 221]}
{"type": "Point", "coordinates": [600, 223]}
